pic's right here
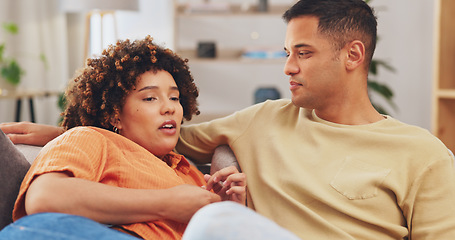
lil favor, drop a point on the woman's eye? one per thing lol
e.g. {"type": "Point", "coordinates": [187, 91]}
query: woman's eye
{"type": "Point", "coordinates": [175, 98]}
{"type": "Point", "coordinates": [149, 99]}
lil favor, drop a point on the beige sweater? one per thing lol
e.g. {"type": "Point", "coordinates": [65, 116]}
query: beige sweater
{"type": "Point", "coordinates": [322, 180]}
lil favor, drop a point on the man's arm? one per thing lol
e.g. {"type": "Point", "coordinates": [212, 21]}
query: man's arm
{"type": "Point", "coordinates": [432, 214]}
{"type": "Point", "coordinates": [58, 192]}
{"type": "Point", "coordinates": [30, 133]}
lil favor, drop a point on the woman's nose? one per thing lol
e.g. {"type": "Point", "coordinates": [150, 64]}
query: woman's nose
{"type": "Point", "coordinates": [168, 107]}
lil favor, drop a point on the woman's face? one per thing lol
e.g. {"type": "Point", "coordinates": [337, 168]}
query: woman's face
{"type": "Point", "coordinates": [152, 113]}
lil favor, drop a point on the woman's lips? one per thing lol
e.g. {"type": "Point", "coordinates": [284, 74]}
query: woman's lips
{"type": "Point", "coordinates": [169, 127]}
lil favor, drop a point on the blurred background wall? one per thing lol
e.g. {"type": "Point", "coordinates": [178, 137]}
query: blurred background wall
{"type": "Point", "coordinates": [405, 29]}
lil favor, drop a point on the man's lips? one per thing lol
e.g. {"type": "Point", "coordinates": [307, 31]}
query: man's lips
{"type": "Point", "coordinates": [294, 85]}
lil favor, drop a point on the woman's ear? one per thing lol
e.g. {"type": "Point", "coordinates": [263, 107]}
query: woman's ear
{"type": "Point", "coordinates": [115, 121]}
{"type": "Point", "coordinates": [356, 55]}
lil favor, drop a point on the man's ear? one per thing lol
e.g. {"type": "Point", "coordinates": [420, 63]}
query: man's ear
{"type": "Point", "coordinates": [355, 54]}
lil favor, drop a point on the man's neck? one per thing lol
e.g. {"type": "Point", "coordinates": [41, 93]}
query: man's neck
{"type": "Point", "coordinates": [353, 115]}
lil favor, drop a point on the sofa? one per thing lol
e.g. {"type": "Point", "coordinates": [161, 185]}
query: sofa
{"type": "Point", "coordinates": [15, 160]}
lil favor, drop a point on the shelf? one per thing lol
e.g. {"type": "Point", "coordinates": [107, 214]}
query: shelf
{"type": "Point", "coordinates": [446, 94]}
{"type": "Point", "coordinates": [446, 122]}
{"type": "Point", "coordinates": [27, 93]}
{"type": "Point", "coordinates": [228, 56]}
{"type": "Point", "coordinates": [446, 49]}
{"type": "Point", "coordinates": [233, 10]}
{"type": "Point", "coordinates": [228, 81]}
{"type": "Point", "coordinates": [444, 82]}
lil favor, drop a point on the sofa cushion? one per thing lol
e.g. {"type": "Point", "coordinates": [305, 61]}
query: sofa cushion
{"type": "Point", "coordinates": [13, 167]}
{"type": "Point", "coordinates": [30, 152]}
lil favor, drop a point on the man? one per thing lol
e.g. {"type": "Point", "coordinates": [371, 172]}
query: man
{"type": "Point", "coordinates": [326, 164]}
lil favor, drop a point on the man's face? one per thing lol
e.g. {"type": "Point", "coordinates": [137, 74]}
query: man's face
{"type": "Point", "coordinates": [313, 65]}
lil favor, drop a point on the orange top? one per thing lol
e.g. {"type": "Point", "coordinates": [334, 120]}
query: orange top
{"type": "Point", "coordinates": [102, 156]}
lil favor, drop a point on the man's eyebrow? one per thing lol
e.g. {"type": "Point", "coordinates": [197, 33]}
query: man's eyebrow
{"type": "Point", "coordinates": [300, 45]}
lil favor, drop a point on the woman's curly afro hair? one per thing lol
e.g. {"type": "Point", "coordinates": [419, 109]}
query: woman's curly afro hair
{"type": "Point", "coordinates": [98, 93]}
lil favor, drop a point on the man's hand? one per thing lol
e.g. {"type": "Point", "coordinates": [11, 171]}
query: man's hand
{"type": "Point", "coordinates": [30, 133]}
{"type": "Point", "coordinates": [228, 183]}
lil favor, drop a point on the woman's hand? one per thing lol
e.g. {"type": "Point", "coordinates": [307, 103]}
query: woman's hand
{"type": "Point", "coordinates": [30, 133]}
{"type": "Point", "coordinates": [185, 201]}
{"type": "Point", "coordinates": [228, 183]}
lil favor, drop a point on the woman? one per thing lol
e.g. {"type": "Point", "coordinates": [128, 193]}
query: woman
{"type": "Point", "coordinates": [115, 163]}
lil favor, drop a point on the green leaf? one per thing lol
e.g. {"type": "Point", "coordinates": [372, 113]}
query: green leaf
{"type": "Point", "coordinates": [380, 109]}
{"type": "Point", "coordinates": [382, 90]}
{"type": "Point", "coordinates": [43, 59]}
{"type": "Point", "coordinates": [11, 28]}
{"type": "Point", "coordinates": [12, 72]}
{"type": "Point", "coordinates": [2, 51]}
{"type": "Point", "coordinates": [61, 103]}
{"type": "Point", "coordinates": [385, 65]}
{"type": "Point", "coordinates": [374, 67]}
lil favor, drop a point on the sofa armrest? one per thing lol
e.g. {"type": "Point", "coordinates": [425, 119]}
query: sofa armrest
{"type": "Point", "coordinates": [30, 152]}
{"type": "Point", "coordinates": [223, 157]}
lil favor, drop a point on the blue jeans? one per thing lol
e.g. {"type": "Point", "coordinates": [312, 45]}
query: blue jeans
{"type": "Point", "coordinates": [58, 226]}
{"type": "Point", "coordinates": [232, 221]}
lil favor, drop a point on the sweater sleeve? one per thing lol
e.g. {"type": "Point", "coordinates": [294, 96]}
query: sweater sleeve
{"type": "Point", "coordinates": [198, 141]}
{"type": "Point", "coordinates": [78, 152]}
{"type": "Point", "coordinates": [431, 208]}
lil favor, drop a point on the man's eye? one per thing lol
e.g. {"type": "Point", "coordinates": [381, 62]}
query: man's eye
{"type": "Point", "coordinates": [303, 54]}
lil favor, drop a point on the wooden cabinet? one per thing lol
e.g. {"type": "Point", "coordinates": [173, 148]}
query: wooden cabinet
{"type": "Point", "coordinates": [444, 81]}
{"type": "Point", "coordinates": [228, 81]}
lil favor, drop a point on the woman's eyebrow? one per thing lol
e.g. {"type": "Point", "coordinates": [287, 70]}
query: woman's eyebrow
{"type": "Point", "coordinates": [147, 88]}
{"type": "Point", "coordinates": [156, 87]}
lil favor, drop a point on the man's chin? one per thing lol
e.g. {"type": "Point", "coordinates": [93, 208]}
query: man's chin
{"type": "Point", "coordinates": [297, 102]}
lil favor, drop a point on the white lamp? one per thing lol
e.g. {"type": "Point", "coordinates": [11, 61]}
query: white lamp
{"type": "Point", "coordinates": [101, 7]}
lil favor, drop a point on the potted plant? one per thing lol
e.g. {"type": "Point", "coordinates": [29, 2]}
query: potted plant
{"type": "Point", "coordinates": [377, 87]}
{"type": "Point", "coordinates": [10, 70]}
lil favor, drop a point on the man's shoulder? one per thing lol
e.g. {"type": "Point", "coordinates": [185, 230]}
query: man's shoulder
{"type": "Point", "coordinates": [278, 105]}
{"type": "Point", "coordinates": [416, 137]}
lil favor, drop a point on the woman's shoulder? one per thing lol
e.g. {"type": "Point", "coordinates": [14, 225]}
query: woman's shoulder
{"type": "Point", "coordinates": [84, 135]}
{"type": "Point", "coordinates": [88, 130]}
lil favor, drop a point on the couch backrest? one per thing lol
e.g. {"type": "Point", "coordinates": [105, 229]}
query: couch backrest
{"type": "Point", "coordinates": [13, 167]}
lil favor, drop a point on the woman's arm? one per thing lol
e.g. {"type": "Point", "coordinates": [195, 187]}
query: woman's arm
{"type": "Point", "coordinates": [58, 192]}
{"type": "Point", "coordinates": [30, 133]}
